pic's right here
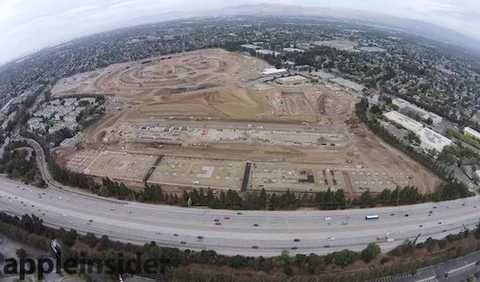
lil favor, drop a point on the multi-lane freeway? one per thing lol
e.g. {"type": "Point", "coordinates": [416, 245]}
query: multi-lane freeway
{"type": "Point", "coordinates": [248, 232]}
{"type": "Point", "coordinates": [253, 233]}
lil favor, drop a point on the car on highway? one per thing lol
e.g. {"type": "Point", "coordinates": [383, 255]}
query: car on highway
{"type": "Point", "coordinates": [372, 217]}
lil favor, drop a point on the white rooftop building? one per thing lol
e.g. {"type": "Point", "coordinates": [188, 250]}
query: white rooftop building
{"type": "Point", "coordinates": [348, 84]}
{"type": "Point", "coordinates": [293, 50]}
{"type": "Point", "coordinates": [268, 52]}
{"type": "Point", "coordinates": [471, 132]}
{"type": "Point", "coordinates": [274, 71]}
{"type": "Point", "coordinates": [404, 121]}
{"type": "Point", "coordinates": [403, 104]}
{"type": "Point", "coordinates": [323, 74]}
{"type": "Point", "coordinates": [430, 140]}
{"type": "Point", "coordinates": [433, 140]}
{"type": "Point", "coordinates": [345, 45]}
{"type": "Point", "coordinates": [250, 47]}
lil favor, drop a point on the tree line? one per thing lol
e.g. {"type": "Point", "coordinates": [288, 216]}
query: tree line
{"type": "Point", "coordinates": [19, 163]}
{"type": "Point", "coordinates": [257, 200]}
{"type": "Point", "coordinates": [451, 189]}
{"type": "Point", "coordinates": [31, 230]}
{"type": "Point", "coordinates": [252, 200]}
{"type": "Point", "coordinates": [261, 200]}
{"type": "Point", "coordinates": [336, 266]}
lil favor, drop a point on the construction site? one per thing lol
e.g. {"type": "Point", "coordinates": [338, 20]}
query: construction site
{"type": "Point", "coordinates": [213, 119]}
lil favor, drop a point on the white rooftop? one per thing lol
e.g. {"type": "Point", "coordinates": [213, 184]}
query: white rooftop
{"type": "Point", "coordinates": [267, 52]}
{"type": "Point", "coordinates": [250, 46]}
{"type": "Point", "coordinates": [433, 140]}
{"type": "Point", "coordinates": [401, 103]}
{"type": "Point", "coordinates": [272, 71]}
{"type": "Point", "coordinates": [472, 132]}
{"type": "Point", "coordinates": [293, 50]}
{"type": "Point", "coordinates": [348, 83]}
{"type": "Point", "coordinates": [429, 138]}
{"type": "Point", "coordinates": [404, 121]}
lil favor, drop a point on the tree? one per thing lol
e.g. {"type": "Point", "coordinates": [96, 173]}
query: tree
{"type": "Point", "coordinates": [388, 100]}
{"type": "Point", "coordinates": [262, 201]}
{"type": "Point", "coordinates": [273, 202]}
{"type": "Point", "coordinates": [413, 138]}
{"type": "Point", "coordinates": [340, 201]}
{"type": "Point", "coordinates": [366, 199]}
{"type": "Point", "coordinates": [90, 240]}
{"type": "Point", "coordinates": [153, 193]}
{"type": "Point", "coordinates": [104, 243]}
{"type": "Point", "coordinates": [70, 238]}
{"type": "Point", "coordinates": [370, 252]}
{"type": "Point", "coordinates": [375, 110]}
{"type": "Point", "coordinates": [342, 258]}
{"type": "Point", "coordinates": [285, 257]}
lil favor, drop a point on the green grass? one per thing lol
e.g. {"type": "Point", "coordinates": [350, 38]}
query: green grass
{"type": "Point", "coordinates": [465, 138]}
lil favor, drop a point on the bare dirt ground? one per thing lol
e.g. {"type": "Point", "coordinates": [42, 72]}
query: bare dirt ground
{"type": "Point", "coordinates": [195, 119]}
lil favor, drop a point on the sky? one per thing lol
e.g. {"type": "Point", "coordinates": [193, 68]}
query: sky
{"type": "Point", "coordinates": [29, 25]}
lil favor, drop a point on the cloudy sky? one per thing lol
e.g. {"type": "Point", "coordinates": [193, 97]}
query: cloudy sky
{"type": "Point", "coordinates": [28, 25]}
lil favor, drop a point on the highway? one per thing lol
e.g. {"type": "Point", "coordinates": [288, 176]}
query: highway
{"type": "Point", "coordinates": [253, 233]}
{"type": "Point", "coordinates": [454, 270]}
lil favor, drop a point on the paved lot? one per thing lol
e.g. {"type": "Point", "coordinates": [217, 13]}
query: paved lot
{"type": "Point", "coordinates": [318, 231]}
{"type": "Point", "coordinates": [190, 172]}
{"type": "Point", "coordinates": [120, 165]}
